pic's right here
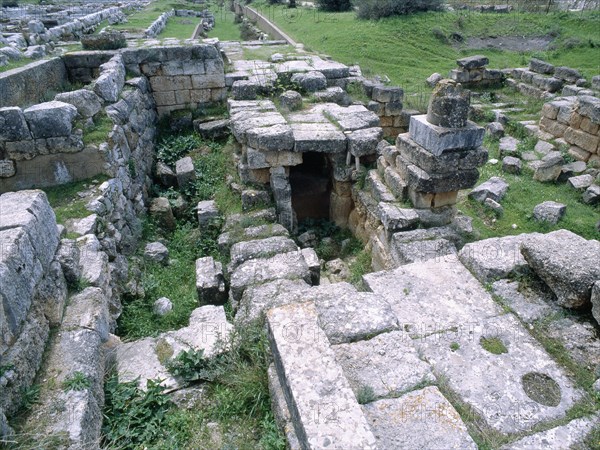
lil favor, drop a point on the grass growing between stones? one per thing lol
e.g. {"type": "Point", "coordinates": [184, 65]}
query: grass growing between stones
{"type": "Point", "coordinates": [66, 202]}
{"type": "Point", "coordinates": [522, 196]}
{"type": "Point", "coordinates": [493, 345]}
{"type": "Point", "coordinates": [407, 50]}
{"type": "Point", "coordinates": [231, 412]}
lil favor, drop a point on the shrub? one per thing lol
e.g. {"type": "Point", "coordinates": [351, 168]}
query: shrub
{"type": "Point", "coordinates": [334, 5]}
{"type": "Point", "coordinates": [108, 40]}
{"type": "Point", "coordinates": [378, 9]}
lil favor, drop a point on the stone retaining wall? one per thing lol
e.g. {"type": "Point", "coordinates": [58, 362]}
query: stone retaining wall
{"type": "Point", "coordinates": [159, 24]}
{"type": "Point", "coordinates": [26, 85]}
{"type": "Point", "coordinates": [576, 122]}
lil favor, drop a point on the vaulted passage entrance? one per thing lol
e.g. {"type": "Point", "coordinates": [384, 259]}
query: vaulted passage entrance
{"type": "Point", "coordinates": [311, 186]}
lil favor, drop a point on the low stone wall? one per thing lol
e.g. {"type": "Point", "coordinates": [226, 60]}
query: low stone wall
{"type": "Point", "coordinates": [386, 102]}
{"type": "Point", "coordinates": [472, 72]}
{"type": "Point", "coordinates": [262, 22]}
{"type": "Point", "coordinates": [26, 85]}
{"type": "Point", "coordinates": [576, 122]}
{"type": "Point", "coordinates": [33, 290]}
{"type": "Point", "coordinates": [159, 24]}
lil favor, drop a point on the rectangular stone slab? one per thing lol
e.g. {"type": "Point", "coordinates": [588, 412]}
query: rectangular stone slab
{"type": "Point", "coordinates": [323, 407]}
{"type": "Point", "coordinates": [422, 181]}
{"type": "Point", "coordinates": [438, 140]}
{"type": "Point", "coordinates": [421, 419]}
{"type": "Point", "coordinates": [446, 162]}
{"type": "Point", "coordinates": [318, 137]}
{"type": "Point", "coordinates": [433, 296]}
{"type": "Point", "coordinates": [493, 383]}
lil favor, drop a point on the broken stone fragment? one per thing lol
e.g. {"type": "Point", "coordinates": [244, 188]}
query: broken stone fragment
{"type": "Point", "coordinates": [449, 105]}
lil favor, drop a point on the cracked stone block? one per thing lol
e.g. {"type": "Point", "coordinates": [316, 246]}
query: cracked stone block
{"type": "Point", "coordinates": [210, 283]}
{"type": "Point", "coordinates": [271, 138]}
{"type": "Point", "coordinates": [259, 248]}
{"type": "Point", "coordinates": [421, 419]}
{"type": "Point", "coordinates": [508, 146]}
{"type": "Point", "coordinates": [410, 290]}
{"type": "Point", "coordinates": [527, 304]}
{"type": "Point", "coordinates": [438, 140]}
{"type": "Point", "coordinates": [364, 142]}
{"type": "Point", "coordinates": [421, 181]}
{"type": "Point", "coordinates": [473, 62]}
{"type": "Point", "coordinates": [324, 391]}
{"type": "Point", "coordinates": [318, 137]}
{"type": "Point", "coordinates": [291, 265]}
{"type": "Point", "coordinates": [13, 126]}
{"type": "Point", "coordinates": [50, 119]}
{"type": "Point", "coordinates": [333, 95]}
{"type": "Point", "coordinates": [387, 363]}
{"type": "Point", "coordinates": [567, 263]}
{"type": "Point", "coordinates": [87, 102]}
{"type": "Point", "coordinates": [495, 258]}
{"type": "Point", "coordinates": [214, 129]}
{"type": "Point", "coordinates": [312, 81]}
{"type": "Point", "coordinates": [387, 94]}
{"type": "Point", "coordinates": [550, 168]}
{"type": "Point", "coordinates": [513, 386]}
{"type": "Point", "coordinates": [417, 251]}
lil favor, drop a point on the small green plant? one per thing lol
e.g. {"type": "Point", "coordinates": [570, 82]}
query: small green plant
{"type": "Point", "coordinates": [99, 132]}
{"type": "Point", "coordinates": [78, 285]}
{"type": "Point", "coordinates": [454, 346]}
{"type": "Point", "coordinates": [133, 417]}
{"type": "Point", "coordinates": [172, 148]}
{"type": "Point", "coordinates": [359, 267]}
{"type": "Point", "coordinates": [6, 368]}
{"type": "Point", "coordinates": [365, 395]}
{"type": "Point", "coordinates": [192, 365]}
{"type": "Point", "coordinates": [30, 396]}
{"type": "Point", "coordinates": [357, 92]}
{"type": "Point", "coordinates": [78, 381]}
{"type": "Point", "coordinates": [493, 345]}
{"type": "Point", "coordinates": [406, 291]}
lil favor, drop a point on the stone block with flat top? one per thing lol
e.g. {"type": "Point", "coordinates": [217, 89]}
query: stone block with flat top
{"type": "Point", "coordinates": [438, 140]}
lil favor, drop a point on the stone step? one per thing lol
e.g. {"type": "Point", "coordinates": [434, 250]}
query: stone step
{"type": "Point", "coordinates": [322, 406]}
{"type": "Point", "coordinates": [229, 238]}
{"type": "Point", "coordinates": [259, 248]}
{"type": "Point", "coordinates": [377, 187]}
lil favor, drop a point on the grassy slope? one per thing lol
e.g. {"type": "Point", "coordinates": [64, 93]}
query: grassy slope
{"type": "Point", "coordinates": [405, 49]}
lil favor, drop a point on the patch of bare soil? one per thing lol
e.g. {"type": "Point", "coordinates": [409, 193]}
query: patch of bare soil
{"type": "Point", "coordinates": [512, 43]}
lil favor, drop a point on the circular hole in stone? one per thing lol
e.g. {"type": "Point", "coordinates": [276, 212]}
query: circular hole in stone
{"type": "Point", "coordinates": [540, 388]}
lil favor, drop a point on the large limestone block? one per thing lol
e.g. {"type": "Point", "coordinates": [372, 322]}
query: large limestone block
{"type": "Point", "coordinates": [513, 384]}
{"type": "Point", "coordinates": [449, 105]}
{"type": "Point", "coordinates": [260, 248]}
{"type": "Point", "coordinates": [495, 258]}
{"type": "Point", "coordinates": [421, 419]}
{"type": "Point", "coordinates": [50, 119]}
{"type": "Point", "coordinates": [388, 364]}
{"type": "Point", "coordinates": [438, 139]}
{"type": "Point", "coordinates": [567, 263]}
{"type": "Point", "coordinates": [318, 137]}
{"type": "Point", "coordinates": [324, 408]}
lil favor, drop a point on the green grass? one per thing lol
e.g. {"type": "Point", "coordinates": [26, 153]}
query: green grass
{"type": "Point", "coordinates": [66, 203]}
{"type": "Point", "coordinates": [99, 132]}
{"type": "Point", "coordinates": [522, 196]}
{"type": "Point", "coordinates": [405, 49]}
{"type": "Point", "coordinates": [493, 345]}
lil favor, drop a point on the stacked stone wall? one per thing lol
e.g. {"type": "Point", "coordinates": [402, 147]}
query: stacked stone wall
{"type": "Point", "coordinates": [576, 121]}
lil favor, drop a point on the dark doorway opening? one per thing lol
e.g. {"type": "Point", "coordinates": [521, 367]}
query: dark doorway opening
{"type": "Point", "coordinates": [311, 186]}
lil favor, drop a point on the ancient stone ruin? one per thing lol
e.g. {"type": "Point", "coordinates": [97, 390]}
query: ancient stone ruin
{"type": "Point", "coordinates": [443, 338]}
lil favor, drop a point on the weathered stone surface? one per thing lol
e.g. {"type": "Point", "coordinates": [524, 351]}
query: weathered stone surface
{"type": "Point", "coordinates": [591, 196]}
{"type": "Point", "coordinates": [438, 140]}
{"type": "Point", "coordinates": [318, 137]}
{"type": "Point", "coordinates": [280, 409]}
{"type": "Point", "coordinates": [539, 66]}
{"type": "Point", "coordinates": [508, 146]}
{"type": "Point", "coordinates": [595, 299]}
{"type": "Point", "coordinates": [333, 95]}
{"type": "Point", "coordinates": [550, 167]}
{"type": "Point", "coordinates": [444, 163]}
{"type": "Point", "coordinates": [494, 188]}
{"type": "Point", "coordinates": [567, 74]}
{"type": "Point", "coordinates": [291, 265]}
{"type": "Point", "coordinates": [527, 304]}
{"type": "Point", "coordinates": [186, 174]}
{"type": "Point", "coordinates": [495, 258]}
{"type": "Point", "coordinates": [510, 164]}
{"type": "Point", "coordinates": [252, 198]}
{"type": "Point", "coordinates": [395, 218]}
{"type": "Point", "coordinates": [259, 248]}
{"type": "Point", "coordinates": [589, 106]}
{"type": "Point", "coordinates": [272, 138]}
{"type": "Point", "coordinates": [208, 212]}
{"type": "Point", "coordinates": [567, 263]}
{"type": "Point", "coordinates": [7, 168]}
{"type": "Point", "coordinates": [67, 255]}
{"type": "Point", "coordinates": [13, 126]}
{"type": "Point", "coordinates": [291, 100]}
{"type": "Point", "coordinates": [571, 435]}
{"type": "Point", "coordinates": [160, 209]}
{"type": "Point", "coordinates": [162, 306]}
{"type": "Point", "coordinates": [581, 182]}
{"type": "Point", "coordinates": [418, 251]}
{"type": "Point", "coordinates": [421, 419]}
{"type": "Point", "coordinates": [497, 386]}
{"type": "Point", "coordinates": [473, 62]}
{"type": "Point", "coordinates": [111, 80]}
{"type": "Point", "coordinates": [449, 105]}
{"type": "Point", "coordinates": [419, 180]}
{"type": "Point", "coordinates": [310, 81]}
{"type": "Point", "coordinates": [81, 227]}
{"type": "Point", "coordinates": [87, 102]}
{"type": "Point", "coordinates": [50, 119]}
{"type": "Point", "coordinates": [412, 289]}
{"type": "Point", "coordinates": [551, 212]}
{"type": "Point", "coordinates": [364, 142]}
{"type": "Point", "coordinates": [214, 129]}
{"type": "Point", "coordinates": [388, 364]}
{"type": "Point", "coordinates": [495, 129]}
{"type": "Point", "coordinates": [156, 252]}
{"type": "Point", "coordinates": [433, 79]}
{"type": "Point", "coordinates": [311, 393]}
{"type": "Point", "coordinates": [210, 283]}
